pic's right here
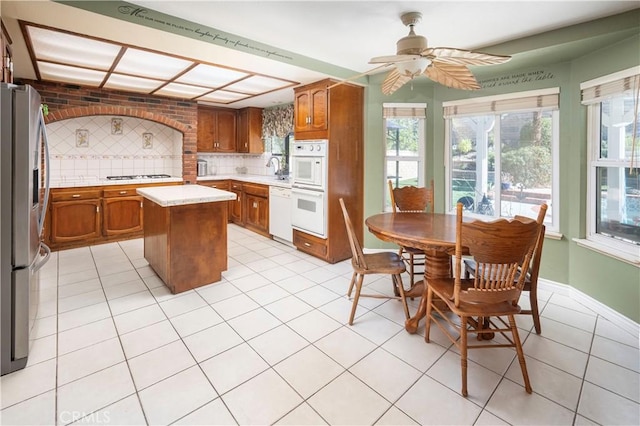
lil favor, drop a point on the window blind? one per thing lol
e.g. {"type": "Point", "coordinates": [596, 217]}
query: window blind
{"type": "Point", "coordinates": [523, 101]}
{"type": "Point", "coordinates": [404, 110]}
{"type": "Point", "coordinates": [625, 82]}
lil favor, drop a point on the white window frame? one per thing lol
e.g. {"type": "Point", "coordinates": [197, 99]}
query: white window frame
{"type": "Point", "coordinates": [417, 110]}
{"type": "Point", "coordinates": [621, 250]}
{"type": "Point", "coordinates": [552, 219]}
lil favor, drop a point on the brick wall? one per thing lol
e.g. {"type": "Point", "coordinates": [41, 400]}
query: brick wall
{"type": "Point", "coordinates": [67, 101]}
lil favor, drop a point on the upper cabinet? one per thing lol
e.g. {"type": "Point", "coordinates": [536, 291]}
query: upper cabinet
{"type": "Point", "coordinates": [217, 130]}
{"type": "Point", "coordinates": [250, 131]}
{"type": "Point", "coordinates": [311, 115]}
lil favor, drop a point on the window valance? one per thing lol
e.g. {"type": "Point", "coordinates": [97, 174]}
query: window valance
{"type": "Point", "coordinates": [277, 121]}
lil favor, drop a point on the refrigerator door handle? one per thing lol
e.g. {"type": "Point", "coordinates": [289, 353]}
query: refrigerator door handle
{"type": "Point", "coordinates": [45, 203]}
{"type": "Point", "coordinates": [40, 261]}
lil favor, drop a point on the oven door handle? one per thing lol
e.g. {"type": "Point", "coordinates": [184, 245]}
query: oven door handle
{"type": "Point", "coordinates": [307, 192]}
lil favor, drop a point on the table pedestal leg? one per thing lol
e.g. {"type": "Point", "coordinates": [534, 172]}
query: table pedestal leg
{"type": "Point", "coordinates": [437, 265]}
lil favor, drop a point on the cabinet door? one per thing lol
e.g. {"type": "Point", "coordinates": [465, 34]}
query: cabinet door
{"type": "Point", "coordinates": [206, 125]}
{"type": "Point", "coordinates": [250, 131]}
{"type": "Point", "coordinates": [235, 206]}
{"type": "Point", "coordinates": [319, 114]}
{"type": "Point", "coordinates": [122, 215]}
{"type": "Point", "coordinates": [225, 131]}
{"type": "Point", "coordinates": [257, 213]}
{"type": "Point", "coordinates": [302, 111]}
{"type": "Point", "coordinates": [75, 220]}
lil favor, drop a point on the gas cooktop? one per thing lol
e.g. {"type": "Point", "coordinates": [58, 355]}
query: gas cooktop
{"type": "Point", "coordinates": [129, 177]}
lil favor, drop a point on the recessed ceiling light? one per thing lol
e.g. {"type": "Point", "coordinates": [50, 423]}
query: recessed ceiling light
{"type": "Point", "coordinates": [148, 64]}
{"type": "Point", "coordinates": [134, 84]}
{"type": "Point", "coordinates": [67, 74]}
{"type": "Point", "coordinates": [66, 48]}
{"type": "Point", "coordinates": [181, 90]}
{"type": "Point", "coordinates": [258, 84]}
{"type": "Point", "coordinates": [210, 76]}
{"type": "Point", "coordinates": [222, 96]}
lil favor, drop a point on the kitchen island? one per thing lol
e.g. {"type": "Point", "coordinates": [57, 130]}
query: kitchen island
{"type": "Point", "coordinates": [185, 234]}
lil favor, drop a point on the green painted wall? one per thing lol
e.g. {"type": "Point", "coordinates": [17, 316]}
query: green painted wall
{"type": "Point", "coordinates": [612, 282]}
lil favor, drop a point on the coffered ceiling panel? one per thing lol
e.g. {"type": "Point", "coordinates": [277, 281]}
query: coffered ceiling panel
{"type": "Point", "coordinates": [67, 57]}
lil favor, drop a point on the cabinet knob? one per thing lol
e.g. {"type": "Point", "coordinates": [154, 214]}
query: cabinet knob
{"type": "Point", "coordinates": [123, 192]}
{"type": "Point", "coordinates": [75, 196]}
{"type": "Point", "coordinates": [307, 245]}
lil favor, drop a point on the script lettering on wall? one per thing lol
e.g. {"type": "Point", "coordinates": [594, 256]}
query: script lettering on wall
{"type": "Point", "coordinates": [516, 78]}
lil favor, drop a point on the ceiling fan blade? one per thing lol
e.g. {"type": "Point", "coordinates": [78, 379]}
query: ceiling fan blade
{"type": "Point", "coordinates": [452, 75]}
{"type": "Point", "coordinates": [392, 59]}
{"type": "Point", "coordinates": [355, 77]}
{"type": "Point", "coordinates": [393, 82]}
{"type": "Point", "coordinates": [463, 57]}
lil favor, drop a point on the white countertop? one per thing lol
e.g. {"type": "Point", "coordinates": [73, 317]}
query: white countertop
{"type": "Point", "coordinates": [261, 179]}
{"type": "Point", "coordinates": [177, 195]}
{"type": "Point", "coordinates": [93, 181]}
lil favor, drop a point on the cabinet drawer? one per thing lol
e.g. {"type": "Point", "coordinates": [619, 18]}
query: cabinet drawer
{"type": "Point", "coordinates": [129, 192]}
{"type": "Point", "coordinates": [309, 243]}
{"type": "Point", "coordinates": [218, 184]}
{"type": "Point", "coordinates": [236, 185]}
{"type": "Point", "coordinates": [75, 195]}
{"type": "Point", "coordinates": [257, 190]}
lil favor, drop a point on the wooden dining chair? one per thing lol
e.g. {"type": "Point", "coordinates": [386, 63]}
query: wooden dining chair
{"type": "Point", "coordinates": [412, 199]}
{"type": "Point", "coordinates": [531, 277]}
{"type": "Point", "coordinates": [372, 263]}
{"type": "Point", "coordinates": [499, 249]}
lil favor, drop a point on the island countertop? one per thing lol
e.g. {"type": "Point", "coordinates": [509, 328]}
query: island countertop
{"type": "Point", "coordinates": [167, 196]}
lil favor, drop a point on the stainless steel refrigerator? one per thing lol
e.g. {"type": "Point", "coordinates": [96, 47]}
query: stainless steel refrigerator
{"type": "Point", "coordinates": [23, 197]}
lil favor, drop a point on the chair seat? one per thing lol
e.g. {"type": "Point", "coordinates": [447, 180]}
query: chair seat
{"type": "Point", "coordinates": [444, 289]}
{"type": "Point", "coordinates": [385, 262]}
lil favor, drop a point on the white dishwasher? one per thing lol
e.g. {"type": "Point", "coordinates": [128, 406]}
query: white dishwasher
{"type": "Point", "coordinates": [280, 213]}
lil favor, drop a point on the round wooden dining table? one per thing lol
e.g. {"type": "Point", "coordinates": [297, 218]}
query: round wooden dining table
{"type": "Point", "coordinates": [433, 233]}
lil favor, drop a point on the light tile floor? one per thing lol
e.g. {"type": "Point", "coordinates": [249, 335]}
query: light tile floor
{"type": "Point", "coordinates": [269, 344]}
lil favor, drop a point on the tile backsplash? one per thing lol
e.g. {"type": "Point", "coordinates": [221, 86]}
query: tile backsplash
{"type": "Point", "coordinates": [98, 146]}
{"type": "Point", "coordinates": [226, 164]}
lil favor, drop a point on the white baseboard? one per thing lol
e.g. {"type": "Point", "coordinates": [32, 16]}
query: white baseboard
{"type": "Point", "coordinates": [615, 317]}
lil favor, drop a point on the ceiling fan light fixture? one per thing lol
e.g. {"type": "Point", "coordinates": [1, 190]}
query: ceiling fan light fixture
{"type": "Point", "coordinates": [414, 67]}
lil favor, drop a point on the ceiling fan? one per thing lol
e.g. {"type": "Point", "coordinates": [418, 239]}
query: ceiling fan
{"type": "Point", "coordinates": [443, 65]}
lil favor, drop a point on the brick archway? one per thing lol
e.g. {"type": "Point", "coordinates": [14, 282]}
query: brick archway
{"type": "Point", "coordinates": [75, 112]}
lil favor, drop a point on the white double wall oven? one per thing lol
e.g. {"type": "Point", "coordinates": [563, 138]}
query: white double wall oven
{"type": "Point", "coordinates": [309, 186]}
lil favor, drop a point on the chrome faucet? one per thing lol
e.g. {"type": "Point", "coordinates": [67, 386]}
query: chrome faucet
{"type": "Point", "coordinates": [270, 163]}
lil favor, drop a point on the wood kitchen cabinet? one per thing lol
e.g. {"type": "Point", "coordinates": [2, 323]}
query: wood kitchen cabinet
{"type": "Point", "coordinates": [250, 131]}
{"type": "Point", "coordinates": [75, 216]}
{"type": "Point", "coordinates": [311, 114]}
{"type": "Point", "coordinates": [256, 207]}
{"type": "Point", "coordinates": [218, 184]}
{"type": "Point", "coordinates": [121, 212]}
{"type": "Point", "coordinates": [94, 215]}
{"type": "Point", "coordinates": [236, 206]}
{"type": "Point", "coordinates": [336, 115]}
{"type": "Point", "coordinates": [217, 130]}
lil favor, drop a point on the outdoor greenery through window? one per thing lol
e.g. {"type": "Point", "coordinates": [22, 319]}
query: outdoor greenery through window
{"type": "Point", "coordinates": [614, 159]}
{"type": "Point", "coordinates": [502, 154]}
{"type": "Point", "coordinates": [405, 140]}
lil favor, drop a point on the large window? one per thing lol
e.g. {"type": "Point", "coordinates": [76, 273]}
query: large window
{"type": "Point", "coordinates": [502, 154]}
{"type": "Point", "coordinates": [404, 126]}
{"type": "Point", "coordinates": [614, 161]}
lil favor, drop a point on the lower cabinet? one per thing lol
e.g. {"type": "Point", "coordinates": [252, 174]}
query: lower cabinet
{"type": "Point", "coordinates": [121, 212]}
{"type": "Point", "coordinates": [310, 244]}
{"type": "Point", "coordinates": [75, 216]}
{"type": "Point", "coordinates": [256, 206]}
{"type": "Point", "coordinates": [236, 206]}
{"type": "Point", "coordinates": [90, 216]}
